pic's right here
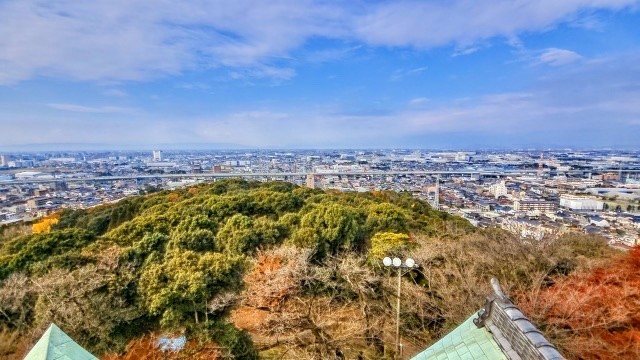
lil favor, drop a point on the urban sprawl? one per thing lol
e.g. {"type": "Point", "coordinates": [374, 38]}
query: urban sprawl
{"type": "Point", "coordinates": [537, 195]}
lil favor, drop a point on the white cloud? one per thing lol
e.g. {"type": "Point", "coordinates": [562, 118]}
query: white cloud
{"type": "Point", "coordinates": [115, 93]}
{"type": "Point", "coordinates": [468, 50]}
{"type": "Point", "coordinates": [403, 73]}
{"type": "Point", "coordinates": [424, 24]}
{"type": "Point", "coordinates": [593, 103]}
{"type": "Point", "coordinates": [138, 39]}
{"type": "Point", "coordinates": [512, 117]}
{"type": "Point", "coordinates": [194, 86]}
{"type": "Point", "coordinates": [558, 57]}
{"type": "Point", "coordinates": [124, 40]}
{"type": "Point", "coordinates": [89, 109]}
{"type": "Point", "coordinates": [271, 72]}
{"type": "Point", "coordinates": [329, 55]}
{"type": "Point", "coordinates": [419, 101]}
{"type": "Point", "coordinates": [562, 109]}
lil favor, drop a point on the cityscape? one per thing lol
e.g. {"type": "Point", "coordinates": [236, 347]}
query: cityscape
{"type": "Point", "coordinates": [537, 195]}
{"type": "Point", "coordinates": [320, 180]}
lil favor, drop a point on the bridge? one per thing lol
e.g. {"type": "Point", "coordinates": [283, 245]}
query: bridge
{"type": "Point", "coordinates": [206, 176]}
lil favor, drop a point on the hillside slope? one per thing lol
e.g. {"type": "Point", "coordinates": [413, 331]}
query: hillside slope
{"type": "Point", "coordinates": [246, 269]}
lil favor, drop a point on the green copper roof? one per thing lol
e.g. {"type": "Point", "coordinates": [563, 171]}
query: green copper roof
{"type": "Point", "coordinates": [464, 342]}
{"type": "Point", "coordinates": [56, 345]}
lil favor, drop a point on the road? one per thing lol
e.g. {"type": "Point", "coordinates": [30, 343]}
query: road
{"type": "Point", "coordinates": [300, 174]}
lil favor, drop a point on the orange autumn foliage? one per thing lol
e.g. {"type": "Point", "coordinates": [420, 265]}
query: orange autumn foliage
{"type": "Point", "coordinates": [263, 273]}
{"type": "Point", "coordinates": [44, 225]}
{"type": "Point", "coordinates": [145, 348]}
{"type": "Point", "coordinates": [274, 278]}
{"type": "Point", "coordinates": [173, 197]}
{"type": "Point", "coordinates": [592, 315]}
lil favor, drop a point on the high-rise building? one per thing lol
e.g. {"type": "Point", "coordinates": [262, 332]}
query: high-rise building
{"type": "Point", "coordinates": [157, 155]}
{"type": "Point", "coordinates": [311, 181]}
{"type": "Point", "coordinates": [4, 160]}
{"type": "Point", "coordinates": [498, 189]}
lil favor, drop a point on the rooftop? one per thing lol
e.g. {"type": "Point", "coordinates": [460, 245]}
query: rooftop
{"type": "Point", "coordinates": [467, 341]}
{"type": "Point", "coordinates": [500, 331]}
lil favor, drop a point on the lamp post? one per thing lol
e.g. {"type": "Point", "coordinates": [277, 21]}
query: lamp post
{"type": "Point", "coordinates": [409, 264]}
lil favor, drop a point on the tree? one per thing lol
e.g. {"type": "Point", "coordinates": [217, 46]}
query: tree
{"type": "Point", "coordinates": [386, 217]}
{"type": "Point", "coordinates": [194, 221]}
{"type": "Point", "coordinates": [198, 240]}
{"type": "Point", "coordinates": [147, 223]}
{"type": "Point", "coordinates": [17, 297]}
{"type": "Point", "coordinates": [41, 251]}
{"type": "Point", "coordinates": [181, 285]}
{"type": "Point", "coordinates": [178, 260]}
{"type": "Point", "coordinates": [45, 224]}
{"type": "Point", "coordinates": [387, 244]}
{"type": "Point", "coordinates": [142, 249]}
{"type": "Point", "coordinates": [593, 314]}
{"type": "Point", "coordinates": [195, 232]}
{"type": "Point", "coordinates": [98, 224]}
{"type": "Point", "coordinates": [269, 201]}
{"type": "Point", "coordinates": [330, 228]}
{"type": "Point", "coordinates": [87, 303]}
{"type": "Point", "coordinates": [238, 235]}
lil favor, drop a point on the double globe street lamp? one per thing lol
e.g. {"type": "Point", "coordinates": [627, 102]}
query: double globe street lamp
{"type": "Point", "coordinates": [407, 265]}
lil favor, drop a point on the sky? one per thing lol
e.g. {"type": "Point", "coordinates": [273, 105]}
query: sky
{"type": "Point", "coordinates": [286, 74]}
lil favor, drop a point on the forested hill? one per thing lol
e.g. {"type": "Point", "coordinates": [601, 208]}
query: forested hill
{"type": "Point", "coordinates": [271, 269]}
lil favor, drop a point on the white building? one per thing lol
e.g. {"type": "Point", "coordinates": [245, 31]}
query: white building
{"type": "Point", "coordinates": [25, 175]}
{"type": "Point", "coordinates": [462, 157]}
{"type": "Point", "coordinates": [157, 155]}
{"type": "Point", "coordinates": [528, 229]}
{"type": "Point", "coordinates": [63, 159]}
{"type": "Point", "coordinates": [580, 203]}
{"type": "Point", "coordinates": [4, 160]}
{"type": "Point", "coordinates": [498, 189]}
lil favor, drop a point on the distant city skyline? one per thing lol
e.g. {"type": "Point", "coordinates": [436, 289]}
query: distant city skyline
{"type": "Point", "coordinates": [294, 74]}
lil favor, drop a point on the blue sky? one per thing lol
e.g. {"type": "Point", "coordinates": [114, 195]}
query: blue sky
{"type": "Point", "coordinates": [320, 74]}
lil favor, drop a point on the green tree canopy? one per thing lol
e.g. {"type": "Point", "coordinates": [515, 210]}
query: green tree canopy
{"type": "Point", "coordinates": [330, 228]}
{"type": "Point", "coordinates": [182, 284]}
{"type": "Point", "coordinates": [387, 244]}
{"type": "Point", "coordinates": [387, 217]}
